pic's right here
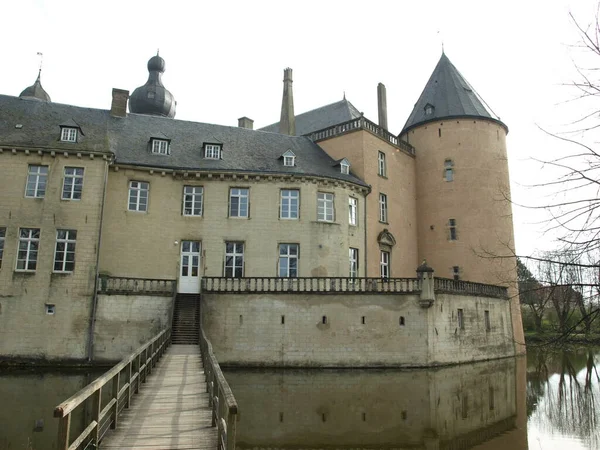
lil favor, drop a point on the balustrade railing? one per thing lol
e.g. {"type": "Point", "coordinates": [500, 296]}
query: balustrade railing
{"type": "Point", "coordinates": [124, 380]}
{"type": "Point", "coordinates": [221, 399]}
{"type": "Point", "coordinates": [469, 288]}
{"type": "Point", "coordinates": [322, 285]}
{"type": "Point", "coordinates": [135, 286]}
{"type": "Point", "coordinates": [361, 124]}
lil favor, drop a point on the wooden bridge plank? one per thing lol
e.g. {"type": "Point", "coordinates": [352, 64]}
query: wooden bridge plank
{"type": "Point", "coordinates": [171, 411]}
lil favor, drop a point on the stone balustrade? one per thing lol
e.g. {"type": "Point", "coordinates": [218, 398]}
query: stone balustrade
{"type": "Point", "coordinates": [443, 285]}
{"type": "Point", "coordinates": [135, 286]}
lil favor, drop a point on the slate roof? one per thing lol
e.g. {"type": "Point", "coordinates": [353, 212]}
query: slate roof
{"type": "Point", "coordinates": [323, 117]}
{"type": "Point", "coordinates": [451, 97]}
{"type": "Point", "coordinates": [128, 138]}
{"type": "Point", "coordinates": [36, 91]}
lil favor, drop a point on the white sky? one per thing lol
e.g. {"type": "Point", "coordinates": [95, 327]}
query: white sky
{"type": "Point", "coordinates": [225, 59]}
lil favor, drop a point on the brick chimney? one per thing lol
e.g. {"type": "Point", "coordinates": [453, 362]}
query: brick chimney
{"type": "Point", "coordinates": [245, 122]}
{"type": "Point", "coordinates": [382, 106]}
{"type": "Point", "coordinates": [287, 122]}
{"type": "Point", "coordinates": [118, 108]}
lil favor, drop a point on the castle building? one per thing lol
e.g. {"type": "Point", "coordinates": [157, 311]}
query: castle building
{"type": "Point", "coordinates": [328, 193]}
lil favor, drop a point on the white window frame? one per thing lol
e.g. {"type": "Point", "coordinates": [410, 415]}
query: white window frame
{"type": "Point", "coordinates": [383, 208]}
{"type": "Point", "coordinates": [452, 230]}
{"type": "Point", "coordinates": [29, 246]}
{"type": "Point", "coordinates": [286, 256]}
{"type": "Point", "coordinates": [243, 201]}
{"type": "Point", "coordinates": [353, 211]}
{"type": "Point", "coordinates": [2, 240]}
{"type": "Point", "coordinates": [212, 151]}
{"type": "Point", "coordinates": [288, 161]}
{"type": "Point", "coordinates": [381, 165]}
{"type": "Point", "coordinates": [353, 260]}
{"type": "Point", "coordinates": [384, 264]}
{"type": "Point", "coordinates": [68, 134]}
{"type": "Point", "coordinates": [429, 109]}
{"type": "Point", "coordinates": [72, 183]}
{"type": "Point", "coordinates": [67, 240]}
{"type": "Point", "coordinates": [37, 179]}
{"type": "Point", "coordinates": [193, 201]}
{"type": "Point", "coordinates": [325, 207]}
{"type": "Point", "coordinates": [235, 251]}
{"type": "Point", "coordinates": [289, 204]}
{"type": "Point", "coordinates": [160, 147]}
{"type": "Point", "coordinates": [139, 194]}
{"type": "Point", "coordinates": [345, 168]}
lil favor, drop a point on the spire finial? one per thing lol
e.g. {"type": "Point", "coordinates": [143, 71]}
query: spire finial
{"type": "Point", "coordinates": [158, 52]}
{"type": "Point", "coordinates": [41, 55]}
{"type": "Point", "coordinates": [344, 95]}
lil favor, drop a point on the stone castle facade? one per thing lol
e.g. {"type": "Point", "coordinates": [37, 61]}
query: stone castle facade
{"type": "Point", "coordinates": [91, 195]}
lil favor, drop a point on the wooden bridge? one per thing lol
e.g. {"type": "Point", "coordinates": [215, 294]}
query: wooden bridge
{"type": "Point", "coordinates": [161, 396]}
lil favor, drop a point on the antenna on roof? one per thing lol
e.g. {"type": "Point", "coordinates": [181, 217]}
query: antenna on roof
{"type": "Point", "coordinates": [41, 55]}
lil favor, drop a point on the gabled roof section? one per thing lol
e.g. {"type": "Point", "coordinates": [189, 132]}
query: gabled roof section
{"type": "Point", "coordinates": [323, 117]}
{"type": "Point", "coordinates": [450, 96]}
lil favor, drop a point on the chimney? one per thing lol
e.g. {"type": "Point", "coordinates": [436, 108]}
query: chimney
{"type": "Point", "coordinates": [245, 122]}
{"type": "Point", "coordinates": [118, 108]}
{"type": "Point", "coordinates": [382, 106]}
{"type": "Point", "coordinates": [287, 122]}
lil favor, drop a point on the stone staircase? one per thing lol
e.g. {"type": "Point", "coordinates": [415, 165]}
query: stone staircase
{"type": "Point", "coordinates": [186, 319]}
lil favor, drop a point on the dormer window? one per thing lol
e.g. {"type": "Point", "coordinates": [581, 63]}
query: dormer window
{"type": "Point", "coordinates": [345, 166]}
{"type": "Point", "coordinates": [212, 151]}
{"type": "Point", "coordinates": [68, 134]}
{"type": "Point", "coordinates": [429, 108]}
{"type": "Point", "coordinates": [160, 146]}
{"type": "Point", "coordinates": [289, 159]}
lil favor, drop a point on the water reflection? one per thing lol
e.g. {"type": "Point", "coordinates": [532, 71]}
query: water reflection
{"type": "Point", "coordinates": [27, 401]}
{"type": "Point", "coordinates": [451, 408]}
{"type": "Point", "coordinates": [563, 391]}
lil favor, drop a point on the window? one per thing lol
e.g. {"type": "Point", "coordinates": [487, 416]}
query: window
{"type": "Point", "coordinates": [448, 170]}
{"type": "Point", "coordinates": [383, 212]}
{"type": "Point", "coordinates": [288, 260]}
{"type": "Point", "coordinates": [353, 262]}
{"type": "Point", "coordinates": [461, 319]}
{"type": "Point", "coordinates": [138, 195]}
{"type": "Point", "coordinates": [68, 134]}
{"type": "Point", "coordinates": [29, 242]}
{"type": "Point", "coordinates": [37, 178]}
{"type": "Point", "coordinates": [2, 238]}
{"type": "Point", "coordinates": [353, 208]}
{"type": "Point", "coordinates": [289, 159]}
{"type": "Point", "coordinates": [72, 183]}
{"type": "Point", "coordinates": [486, 315]}
{"type": "Point", "coordinates": [238, 202]}
{"type": "Point", "coordinates": [384, 264]}
{"type": "Point", "coordinates": [192, 200]}
{"type": "Point", "coordinates": [160, 146]}
{"type": "Point", "coordinates": [345, 167]}
{"type": "Point", "coordinates": [325, 207]}
{"type": "Point", "coordinates": [452, 230]}
{"type": "Point", "coordinates": [212, 151]}
{"type": "Point", "coordinates": [429, 108]}
{"type": "Point", "coordinates": [234, 259]}
{"type": "Point", "coordinates": [290, 199]}
{"type": "Point", "coordinates": [382, 169]}
{"type": "Point", "coordinates": [64, 252]}
{"type": "Point", "coordinates": [456, 272]}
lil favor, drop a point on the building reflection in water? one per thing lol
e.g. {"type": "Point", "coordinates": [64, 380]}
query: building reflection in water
{"type": "Point", "coordinates": [478, 405]}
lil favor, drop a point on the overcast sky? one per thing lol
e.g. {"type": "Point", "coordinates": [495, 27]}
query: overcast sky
{"type": "Point", "coordinates": [225, 59]}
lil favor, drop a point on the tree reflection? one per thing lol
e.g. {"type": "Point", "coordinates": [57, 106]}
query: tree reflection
{"type": "Point", "coordinates": [562, 393]}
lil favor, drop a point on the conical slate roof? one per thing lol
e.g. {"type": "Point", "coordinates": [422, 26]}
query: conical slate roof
{"type": "Point", "coordinates": [448, 95]}
{"type": "Point", "coordinates": [36, 91]}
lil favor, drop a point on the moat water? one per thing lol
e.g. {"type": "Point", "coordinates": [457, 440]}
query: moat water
{"type": "Point", "coordinates": [549, 400]}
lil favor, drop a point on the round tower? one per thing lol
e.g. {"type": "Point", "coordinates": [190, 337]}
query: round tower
{"type": "Point", "coordinates": [464, 215]}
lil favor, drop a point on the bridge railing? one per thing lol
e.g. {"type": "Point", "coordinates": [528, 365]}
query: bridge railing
{"type": "Point", "coordinates": [469, 288]}
{"type": "Point", "coordinates": [123, 380]}
{"type": "Point", "coordinates": [322, 285]}
{"type": "Point", "coordinates": [221, 398]}
{"type": "Point", "coordinates": [110, 285]}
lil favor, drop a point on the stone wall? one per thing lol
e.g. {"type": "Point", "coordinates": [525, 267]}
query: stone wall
{"type": "Point", "coordinates": [125, 322]}
{"type": "Point", "coordinates": [363, 330]}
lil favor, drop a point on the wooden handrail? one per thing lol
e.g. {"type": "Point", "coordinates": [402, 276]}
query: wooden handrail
{"type": "Point", "coordinates": [221, 398]}
{"type": "Point", "coordinates": [104, 417]}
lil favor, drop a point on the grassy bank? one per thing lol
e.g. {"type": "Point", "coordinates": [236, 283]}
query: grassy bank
{"type": "Point", "coordinates": [532, 337]}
